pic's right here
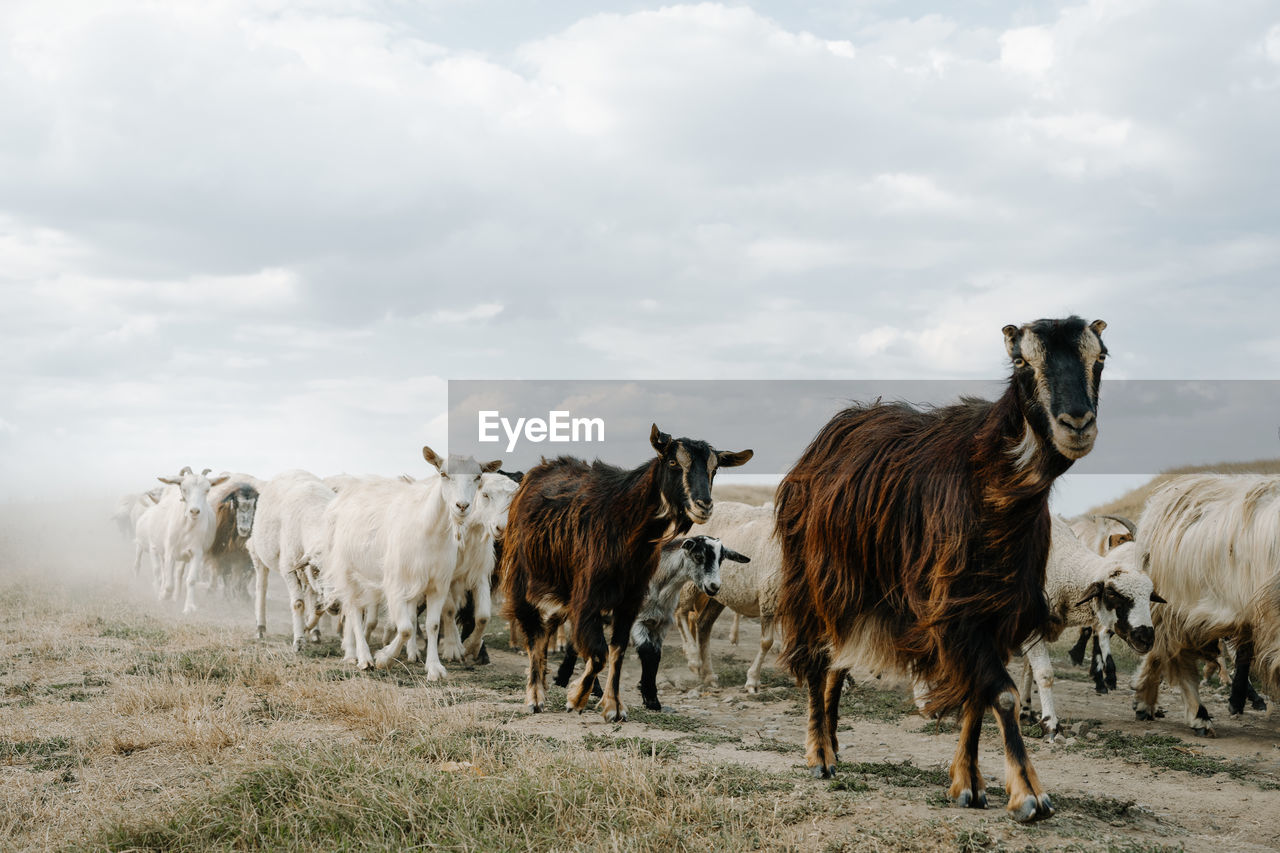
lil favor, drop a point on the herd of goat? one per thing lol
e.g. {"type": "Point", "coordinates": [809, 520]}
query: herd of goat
{"type": "Point", "coordinates": [907, 539]}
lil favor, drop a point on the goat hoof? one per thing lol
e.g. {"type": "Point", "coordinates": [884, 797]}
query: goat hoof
{"type": "Point", "coordinates": [1235, 710]}
{"type": "Point", "coordinates": [1142, 716]}
{"type": "Point", "coordinates": [314, 636]}
{"type": "Point", "coordinates": [436, 672]}
{"type": "Point", "coordinates": [655, 705]}
{"type": "Point", "coordinates": [534, 709]}
{"type": "Point", "coordinates": [364, 664]}
{"type": "Point", "coordinates": [1160, 713]}
{"type": "Point", "coordinates": [1028, 812]}
{"type": "Point", "coordinates": [1259, 704]}
{"type": "Point", "coordinates": [1204, 731]}
{"type": "Point", "coordinates": [821, 772]}
{"type": "Point", "coordinates": [752, 688]}
{"type": "Point", "coordinates": [262, 632]}
{"type": "Point", "coordinates": [1045, 807]}
{"type": "Point", "coordinates": [297, 646]}
{"type": "Point", "coordinates": [1101, 690]}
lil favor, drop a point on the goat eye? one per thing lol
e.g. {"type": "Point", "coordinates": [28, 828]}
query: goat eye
{"type": "Point", "coordinates": [1102, 356]}
{"type": "Point", "coordinates": [673, 463]}
{"type": "Point", "coordinates": [1019, 362]}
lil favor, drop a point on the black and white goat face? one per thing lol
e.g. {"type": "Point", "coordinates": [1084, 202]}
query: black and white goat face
{"type": "Point", "coordinates": [703, 555]}
{"type": "Point", "coordinates": [688, 469]}
{"type": "Point", "coordinates": [459, 481]}
{"type": "Point", "coordinates": [193, 491]}
{"type": "Point", "coordinates": [245, 506]}
{"type": "Point", "coordinates": [1058, 366]}
{"type": "Point", "coordinates": [1122, 602]}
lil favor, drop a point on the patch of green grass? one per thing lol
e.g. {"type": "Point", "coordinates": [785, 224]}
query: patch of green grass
{"type": "Point", "coordinates": [41, 753]}
{"type": "Point", "coordinates": [866, 702]}
{"type": "Point", "coordinates": [665, 720]}
{"type": "Point", "coordinates": [769, 744]}
{"type": "Point", "coordinates": [366, 798]}
{"type": "Point", "coordinates": [640, 745]}
{"type": "Point", "coordinates": [732, 672]}
{"type": "Point", "coordinates": [735, 780]}
{"type": "Point", "coordinates": [1106, 809]}
{"type": "Point", "coordinates": [845, 784]}
{"type": "Point", "coordinates": [709, 738]}
{"type": "Point", "coordinates": [147, 632]}
{"type": "Point", "coordinates": [902, 774]}
{"type": "Point", "coordinates": [1168, 752]}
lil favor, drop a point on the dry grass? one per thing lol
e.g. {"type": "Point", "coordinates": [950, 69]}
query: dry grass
{"type": "Point", "coordinates": [1131, 503]}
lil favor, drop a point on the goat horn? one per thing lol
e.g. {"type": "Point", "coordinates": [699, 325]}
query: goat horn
{"type": "Point", "coordinates": [186, 469]}
{"type": "Point", "coordinates": [205, 472]}
{"type": "Point", "coordinates": [1129, 525]}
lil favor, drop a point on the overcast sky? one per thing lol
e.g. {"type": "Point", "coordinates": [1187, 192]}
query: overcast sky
{"type": "Point", "coordinates": [260, 235]}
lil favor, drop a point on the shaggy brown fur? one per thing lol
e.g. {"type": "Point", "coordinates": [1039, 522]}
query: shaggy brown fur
{"type": "Point", "coordinates": [583, 539]}
{"type": "Point", "coordinates": [230, 564]}
{"type": "Point", "coordinates": [918, 540]}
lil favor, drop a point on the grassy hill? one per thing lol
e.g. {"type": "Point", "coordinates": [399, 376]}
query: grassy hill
{"type": "Point", "coordinates": [1131, 503]}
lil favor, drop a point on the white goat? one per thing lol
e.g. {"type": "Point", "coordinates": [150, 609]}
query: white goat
{"type": "Point", "coordinates": [289, 537]}
{"type": "Point", "coordinates": [398, 541]}
{"type": "Point", "coordinates": [1212, 545]}
{"type": "Point", "coordinates": [189, 524]}
{"type": "Point", "coordinates": [148, 538]}
{"type": "Point", "coordinates": [748, 589]}
{"type": "Point", "coordinates": [476, 563]}
{"type": "Point", "coordinates": [1084, 588]}
{"type": "Point", "coordinates": [131, 507]}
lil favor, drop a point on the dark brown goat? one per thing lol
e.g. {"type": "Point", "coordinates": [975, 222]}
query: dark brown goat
{"type": "Point", "coordinates": [918, 540]}
{"type": "Point", "coordinates": [583, 539]}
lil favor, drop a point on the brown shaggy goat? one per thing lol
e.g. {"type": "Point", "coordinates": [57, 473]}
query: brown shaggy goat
{"type": "Point", "coordinates": [583, 539]}
{"type": "Point", "coordinates": [918, 539]}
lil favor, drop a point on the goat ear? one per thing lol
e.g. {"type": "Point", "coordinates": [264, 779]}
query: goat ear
{"type": "Point", "coordinates": [432, 457]}
{"type": "Point", "coordinates": [490, 467]}
{"type": "Point", "coordinates": [1156, 599]}
{"type": "Point", "coordinates": [689, 544]}
{"type": "Point", "coordinates": [730, 554]}
{"type": "Point", "coordinates": [1095, 591]}
{"type": "Point", "coordinates": [1011, 336]}
{"type": "Point", "coordinates": [659, 439]}
{"type": "Point", "coordinates": [1115, 540]}
{"type": "Point", "coordinates": [170, 480]}
{"type": "Point", "coordinates": [729, 459]}
{"type": "Point", "coordinates": [221, 478]}
{"type": "Point", "coordinates": [1098, 326]}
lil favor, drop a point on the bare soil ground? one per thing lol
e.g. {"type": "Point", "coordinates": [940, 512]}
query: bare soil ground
{"type": "Point", "coordinates": [124, 725]}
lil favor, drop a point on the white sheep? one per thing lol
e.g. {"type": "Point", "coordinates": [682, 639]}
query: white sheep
{"type": "Point", "coordinates": [289, 533]}
{"type": "Point", "coordinates": [1212, 545]}
{"type": "Point", "coordinates": [1084, 588]}
{"type": "Point", "coordinates": [749, 589]}
{"type": "Point", "coordinates": [398, 542]}
{"type": "Point", "coordinates": [188, 523]}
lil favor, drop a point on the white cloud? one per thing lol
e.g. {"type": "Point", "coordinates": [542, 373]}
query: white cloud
{"type": "Point", "coordinates": [1027, 50]}
{"type": "Point", "coordinates": [208, 209]}
{"type": "Point", "coordinates": [476, 313]}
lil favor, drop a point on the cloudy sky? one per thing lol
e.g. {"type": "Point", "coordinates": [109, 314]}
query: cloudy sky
{"type": "Point", "coordinates": [260, 235]}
